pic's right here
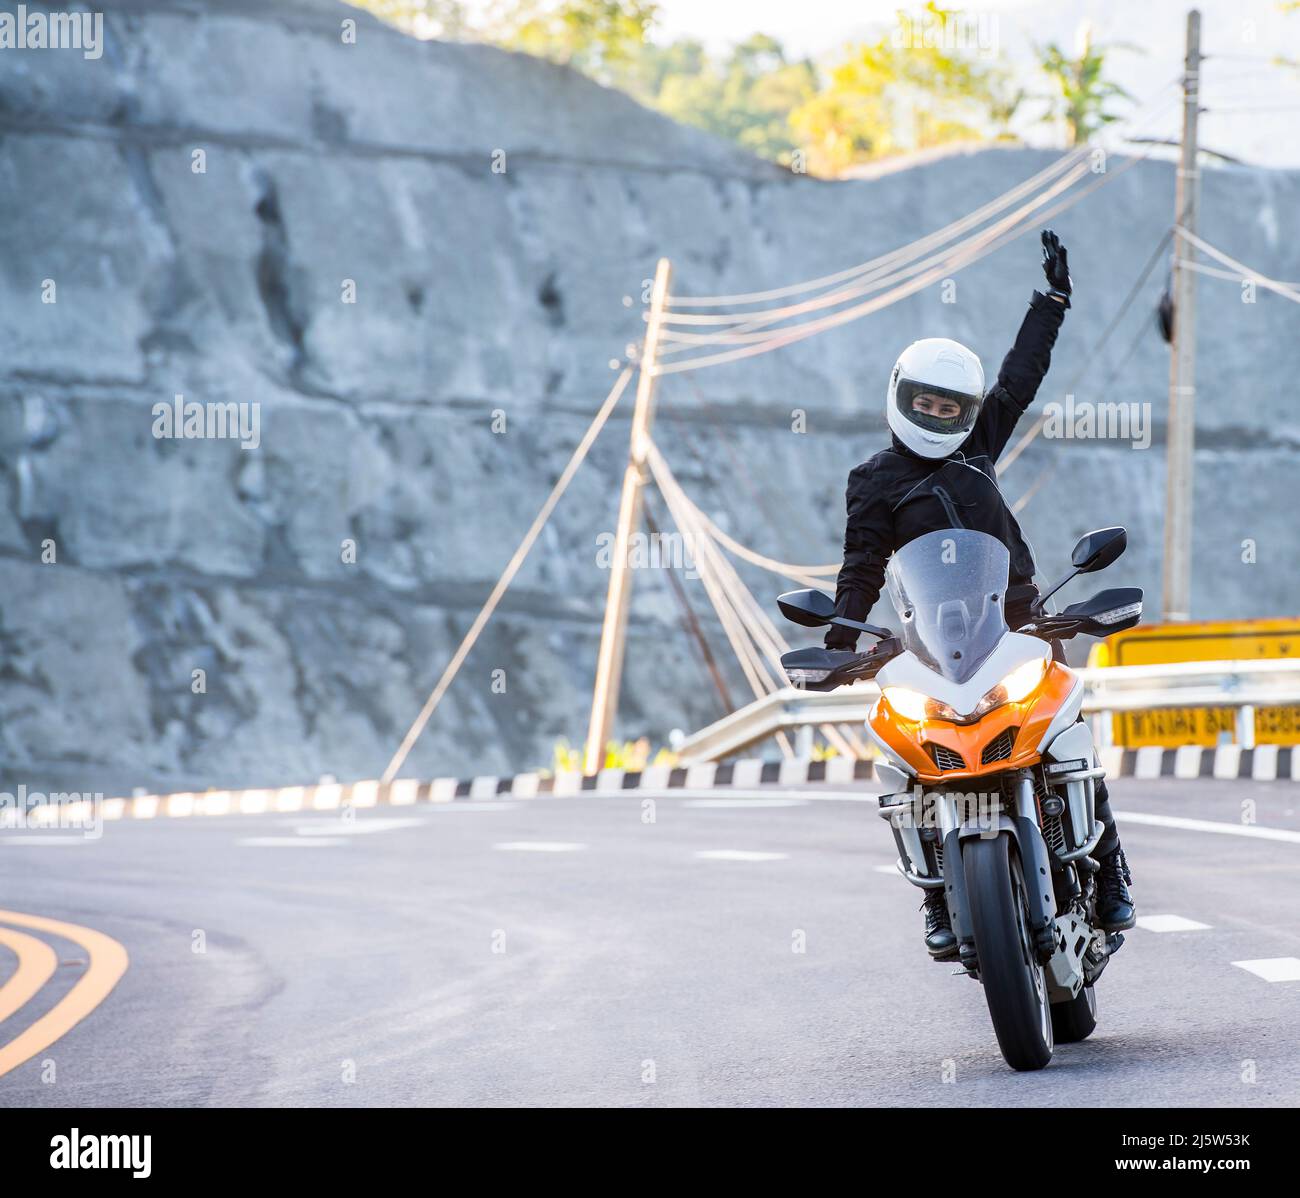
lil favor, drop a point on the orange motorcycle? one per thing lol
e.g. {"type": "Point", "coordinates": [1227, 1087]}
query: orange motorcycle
{"type": "Point", "coordinates": [989, 770]}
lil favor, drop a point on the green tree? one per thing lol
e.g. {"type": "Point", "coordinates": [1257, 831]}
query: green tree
{"type": "Point", "coordinates": [1081, 90]}
{"type": "Point", "coordinates": [447, 19]}
{"type": "Point", "coordinates": [601, 38]}
{"type": "Point", "coordinates": [914, 88]}
{"type": "Point", "coordinates": [747, 98]}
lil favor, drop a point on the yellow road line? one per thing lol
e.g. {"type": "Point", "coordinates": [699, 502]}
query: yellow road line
{"type": "Point", "coordinates": [107, 962]}
{"type": "Point", "coordinates": [36, 965]}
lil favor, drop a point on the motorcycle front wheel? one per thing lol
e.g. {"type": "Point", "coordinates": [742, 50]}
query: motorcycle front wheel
{"type": "Point", "coordinates": [1015, 984]}
{"type": "Point", "coordinates": [1076, 1018]}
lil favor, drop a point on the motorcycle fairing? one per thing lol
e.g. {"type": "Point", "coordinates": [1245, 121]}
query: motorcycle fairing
{"type": "Point", "coordinates": [1014, 650]}
{"type": "Point", "coordinates": [904, 741]}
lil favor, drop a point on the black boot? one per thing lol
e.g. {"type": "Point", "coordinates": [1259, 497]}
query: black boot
{"type": "Point", "coordinates": [939, 939]}
{"type": "Point", "coordinates": [1115, 909]}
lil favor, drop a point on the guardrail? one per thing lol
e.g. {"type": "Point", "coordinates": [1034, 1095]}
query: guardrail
{"type": "Point", "coordinates": [1243, 685]}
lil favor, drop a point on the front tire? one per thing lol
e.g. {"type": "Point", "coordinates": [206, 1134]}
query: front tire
{"type": "Point", "coordinates": [1076, 1018]}
{"type": "Point", "coordinates": [1015, 984]}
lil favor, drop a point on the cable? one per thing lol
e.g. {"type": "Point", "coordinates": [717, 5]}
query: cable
{"type": "Point", "coordinates": [1034, 487]}
{"type": "Point", "coordinates": [874, 284]}
{"type": "Point", "coordinates": [692, 625]}
{"type": "Point", "coordinates": [1142, 331]}
{"type": "Point", "coordinates": [507, 575]}
{"type": "Point", "coordinates": [748, 628]}
{"type": "Point", "coordinates": [946, 233]}
{"type": "Point", "coordinates": [1218, 111]}
{"type": "Point", "coordinates": [1282, 289]}
{"type": "Point", "coordinates": [958, 261]}
{"type": "Point", "coordinates": [1215, 273]}
{"type": "Point", "coordinates": [753, 321]}
{"type": "Point", "coordinates": [807, 575]}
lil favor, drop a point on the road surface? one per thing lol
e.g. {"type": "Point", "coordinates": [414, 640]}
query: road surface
{"type": "Point", "coordinates": [576, 951]}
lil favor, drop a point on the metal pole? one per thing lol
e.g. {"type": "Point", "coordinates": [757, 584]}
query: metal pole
{"type": "Point", "coordinates": [613, 635]}
{"type": "Point", "coordinates": [1182, 359]}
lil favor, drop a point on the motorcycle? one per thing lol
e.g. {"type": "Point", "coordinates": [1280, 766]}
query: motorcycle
{"type": "Point", "coordinates": [989, 769]}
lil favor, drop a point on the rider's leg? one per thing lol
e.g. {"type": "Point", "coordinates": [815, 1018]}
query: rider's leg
{"type": "Point", "coordinates": [939, 938]}
{"type": "Point", "coordinates": [1115, 907]}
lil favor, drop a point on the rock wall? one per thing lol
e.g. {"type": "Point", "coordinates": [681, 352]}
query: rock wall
{"type": "Point", "coordinates": [489, 213]}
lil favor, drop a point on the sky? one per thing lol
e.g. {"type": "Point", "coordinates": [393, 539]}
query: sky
{"type": "Point", "coordinates": [1253, 105]}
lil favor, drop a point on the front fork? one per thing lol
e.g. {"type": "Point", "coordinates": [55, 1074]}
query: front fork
{"type": "Point", "coordinates": [1054, 829]}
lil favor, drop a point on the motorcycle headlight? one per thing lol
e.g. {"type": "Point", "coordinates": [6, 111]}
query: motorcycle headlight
{"type": "Point", "coordinates": [909, 704]}
{"type": "Point", "coordinates": [1014, 688]}
{"type": "Point", "coordinates": [1020, 683]}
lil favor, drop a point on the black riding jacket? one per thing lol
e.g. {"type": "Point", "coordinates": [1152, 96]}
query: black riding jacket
{"type": "Point", "coordinates": [897, 496]}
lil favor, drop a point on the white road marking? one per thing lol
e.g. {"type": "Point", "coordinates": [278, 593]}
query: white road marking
{"type": "Point", "coordinates": [354, 827]}
{"type": "Point", "coordinates": [1273, 969]}
{"type": "Point", "coordinates": [892, 870]}
{"type": "Point", "coordinates": [538, 846]}
{"type": "Point", "coordinates": [719, 804]}
{"type": "Point", "coordinates": [290, 842]}
{"type": "Point", "coordinates": [842, 796]}
{"type": "Point", "coordinates": [1169, 923]}
{"type": "Point", "coordinates": [738, 855]}
{"type": "Point", "coordinates": [27, 838]}
{"type": "Point", "coordinates": [1254, 831]}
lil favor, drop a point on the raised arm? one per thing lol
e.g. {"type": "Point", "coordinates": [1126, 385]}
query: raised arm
{"type": "Point", "coordinates": [1030, 356]}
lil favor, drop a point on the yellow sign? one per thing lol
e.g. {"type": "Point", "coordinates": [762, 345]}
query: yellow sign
{"type": "Point", "coordinates": [1222, 640]}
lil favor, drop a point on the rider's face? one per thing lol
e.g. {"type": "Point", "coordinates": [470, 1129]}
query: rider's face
{"type": "Point", "coordinates": [939, 406]}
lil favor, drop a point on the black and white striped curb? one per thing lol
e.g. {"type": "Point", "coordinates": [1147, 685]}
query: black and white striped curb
{"type": "Point", "coordinates": [1264, 763]}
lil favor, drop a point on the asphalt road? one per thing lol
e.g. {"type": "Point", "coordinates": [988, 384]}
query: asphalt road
{"type": "Point", "coordinates": [569, 951]}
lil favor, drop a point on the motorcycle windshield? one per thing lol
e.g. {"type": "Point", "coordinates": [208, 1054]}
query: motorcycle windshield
{"type": "Point", "coordinates": [948, 588]}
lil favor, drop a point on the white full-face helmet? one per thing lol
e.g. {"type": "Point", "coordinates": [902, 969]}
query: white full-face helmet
{"type": "Point", "coordinates": [935, 394]}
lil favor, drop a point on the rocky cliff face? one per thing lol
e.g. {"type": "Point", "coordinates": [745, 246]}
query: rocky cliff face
{"type": "Point", "coordinates": [194, 214]}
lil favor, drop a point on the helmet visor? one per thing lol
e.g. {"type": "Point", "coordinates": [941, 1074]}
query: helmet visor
{"type": "Point", "coordinates": [936, 409]}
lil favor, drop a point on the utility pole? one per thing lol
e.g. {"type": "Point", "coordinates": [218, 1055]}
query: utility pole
{"type": "Point", "coordinates": [613, 635]}
{"type": "Point", "coordinates": [1181, 435]}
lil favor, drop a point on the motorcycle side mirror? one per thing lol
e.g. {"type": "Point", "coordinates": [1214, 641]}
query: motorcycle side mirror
{"type": "Point", "coordinates": [1096, 550]}
{"type": "Point", "coordinates": [810, 608]}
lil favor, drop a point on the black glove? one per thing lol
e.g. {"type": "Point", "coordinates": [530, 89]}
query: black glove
{"type": "Point", "coordinates": [841, 638]}
{"type": "Point", "coordinates": [1055, 266]}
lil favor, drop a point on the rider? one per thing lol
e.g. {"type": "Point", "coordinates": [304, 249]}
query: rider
{"type": "Point", "coordinates": [937, 474]}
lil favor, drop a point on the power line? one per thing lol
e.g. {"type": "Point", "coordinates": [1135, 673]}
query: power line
{"type": "Point", "coordinates": [1282, 289]}
{"type": "Point", "coordinates": [692, 625]}
{"type": "Point", "coordinates": [758, 319]}
{"type": "Point", "coordinates": [958, 260]}
{"type": "Point", "coordinates": [947, 233]}
{"type": "Point", "coordinates": [902, 253]}
{"type": "Point", "coordinates": [507, 575]}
